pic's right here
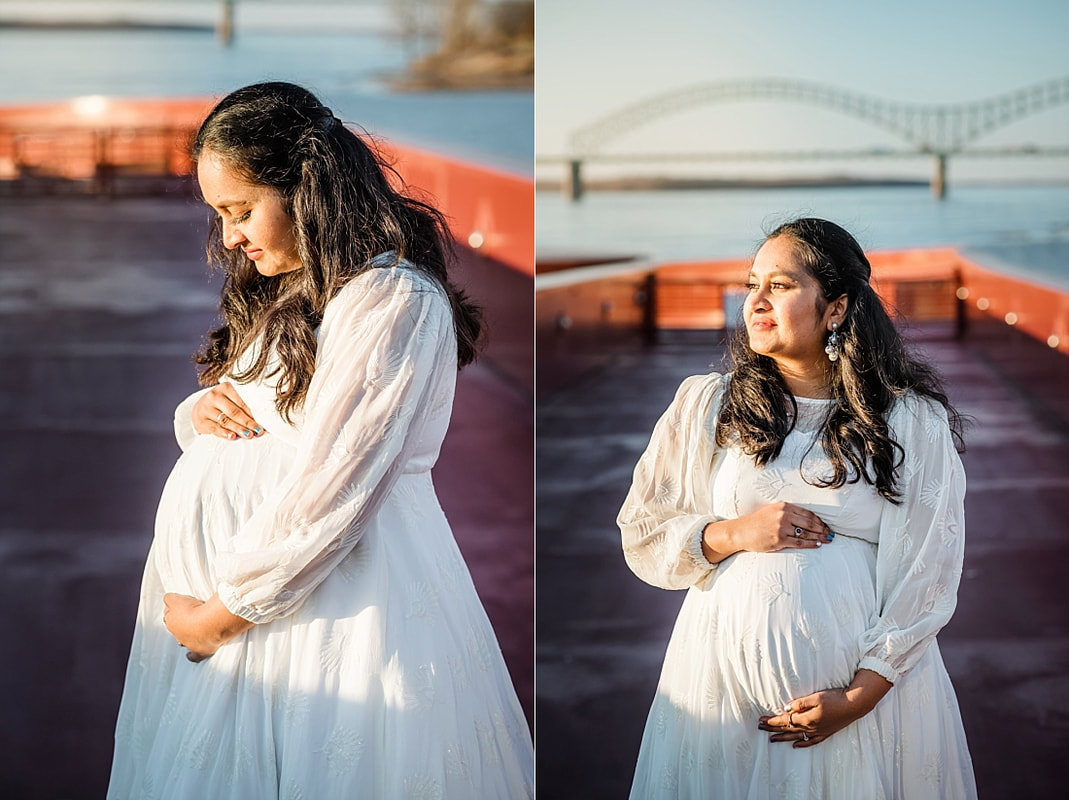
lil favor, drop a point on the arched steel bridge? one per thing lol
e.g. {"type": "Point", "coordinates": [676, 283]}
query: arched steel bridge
{"type": "Point", "coordinates": [933, 129]}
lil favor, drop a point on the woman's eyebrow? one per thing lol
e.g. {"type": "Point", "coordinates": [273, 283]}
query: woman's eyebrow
{"type": "Point", "coordinates": [226, 205]}
{"type": "Point", "coordinates": [777, 273]}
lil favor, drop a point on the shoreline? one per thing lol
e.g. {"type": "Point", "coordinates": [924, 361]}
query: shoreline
{"type": "Point", "coordinates": [104, 25]}
{"type": "Point", "coordinates": [656, 184]}
{"type": "Point", "coordinates": [200, 17]}
{"type": "Point", "coordinates": [831, 182]}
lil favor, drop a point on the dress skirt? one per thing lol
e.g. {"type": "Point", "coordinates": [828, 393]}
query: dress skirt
{"type": "Point", "coordinates": [726, 666]}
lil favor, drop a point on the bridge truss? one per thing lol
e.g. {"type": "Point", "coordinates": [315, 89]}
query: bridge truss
{"type": "Point", "coordinates": [940, 130]}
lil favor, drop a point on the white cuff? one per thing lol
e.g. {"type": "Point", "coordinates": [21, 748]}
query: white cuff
{"type": "Point", "coordinates": [694, 547]}
{"type": "Point", "coordinates": [881, 668]}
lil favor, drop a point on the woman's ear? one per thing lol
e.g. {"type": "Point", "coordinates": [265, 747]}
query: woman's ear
{"type": "Point", "coordinates": [837, 309]}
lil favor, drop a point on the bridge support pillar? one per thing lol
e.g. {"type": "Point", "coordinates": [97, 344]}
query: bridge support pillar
{"type": "Point", "coordinates": [939, 177]}
{"type": "Point", "coordinates": [225, 27]}
{"type": "Point", "coordinates": [573, 186]}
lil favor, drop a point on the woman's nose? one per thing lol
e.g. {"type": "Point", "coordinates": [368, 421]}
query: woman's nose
{"type": "Point", "coordinates": [232, 236]}
{"type": "Point", "coordinates": [758, 298]}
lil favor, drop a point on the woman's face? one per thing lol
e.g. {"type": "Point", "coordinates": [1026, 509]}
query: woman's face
{"type": "Point", "coordinates": [786, 318]}
{"type": "Point", "coordinates": [253, 217]}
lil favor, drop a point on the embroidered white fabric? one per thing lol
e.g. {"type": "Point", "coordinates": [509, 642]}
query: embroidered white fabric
{"type": "Point", "coordinates": [373, 670]}
{"type": "Point", "coordinates": [761, 629]}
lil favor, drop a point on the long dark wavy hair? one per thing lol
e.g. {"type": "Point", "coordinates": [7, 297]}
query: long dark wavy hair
{"type": "Point", "coordinates": [336, 188]}
{"type": "Point", "coordinates": [874, 369]}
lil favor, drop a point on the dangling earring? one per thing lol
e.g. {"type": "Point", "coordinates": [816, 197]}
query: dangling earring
{"type": "Point", "coordinates": [833, 343]}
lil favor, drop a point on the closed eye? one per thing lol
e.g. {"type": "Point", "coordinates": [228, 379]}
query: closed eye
{"type": "Point", "coordinates": [242, 218]}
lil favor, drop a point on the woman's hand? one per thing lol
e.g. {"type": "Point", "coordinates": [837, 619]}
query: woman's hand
{"type": "Point", "coordinates": [769, 529]}
{"type": "Point", "coordinates": [201, 627]}
{"type": "Point", "coordinates": [812, 719]}
{"type": "Point", "coordinates": [221, 412]}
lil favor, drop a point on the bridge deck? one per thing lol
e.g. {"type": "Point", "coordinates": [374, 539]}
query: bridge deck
{"type": "Point", "coordinates": [601, 632]}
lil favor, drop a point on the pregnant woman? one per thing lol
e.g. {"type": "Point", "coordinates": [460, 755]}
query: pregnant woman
{"type": "Point", "coordinates": [812, 504]}
{"type": "Point", "coordinates": [307, 626]}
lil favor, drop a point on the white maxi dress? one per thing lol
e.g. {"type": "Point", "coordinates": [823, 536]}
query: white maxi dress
{"type": "Point", "coordinates": [372, 671]}
{"type": "Point", "coordinates": [762, 629]}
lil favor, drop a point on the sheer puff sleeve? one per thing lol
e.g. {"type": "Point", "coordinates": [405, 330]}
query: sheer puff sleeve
{"type": "Point", "coordinates": [922, 542]}
{"type": "Point", "coordinates": [386, 355]}
{"type": "Point", "coordinates": [670, 501]}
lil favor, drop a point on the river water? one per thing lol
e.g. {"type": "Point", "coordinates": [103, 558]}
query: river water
{"type": "Point", "coordinates": [1021, 229]}
{"type": "Point", "coordinates": [346, 68]}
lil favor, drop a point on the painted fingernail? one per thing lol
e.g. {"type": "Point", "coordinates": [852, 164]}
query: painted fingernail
{"type": "Point", "coordinates": [258, 430]}
{"type": "Point", "coordinates": [246, 434]}
{"type": "Point", "coordinates": [831, 535]}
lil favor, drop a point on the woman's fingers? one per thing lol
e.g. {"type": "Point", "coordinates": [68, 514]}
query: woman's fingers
{"type": "Point", "coordinates": [807, 520]}
{"type": "Point", "coordinates": [234, 424]}
{"type": "Point", "coordinates": [231, 394]}
{"type": "Point", "coordinates": [796, 723]}
{"type": "Point", "coordinates": [231, 417]}
{"type": "Point", "coordinates": [803, 528]}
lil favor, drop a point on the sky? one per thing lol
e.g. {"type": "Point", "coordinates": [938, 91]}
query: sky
{"type": "Point", "coordinates": [594, 56]}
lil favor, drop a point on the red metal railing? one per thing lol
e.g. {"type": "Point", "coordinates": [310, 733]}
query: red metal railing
{"type": "Point", "coordinates": [920, 285]}
{"type": "Point", "coordinates": [97, 139]}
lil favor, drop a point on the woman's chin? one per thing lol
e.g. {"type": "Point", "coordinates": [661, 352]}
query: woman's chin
{"type": "Point", "coordinates": [760, 345]}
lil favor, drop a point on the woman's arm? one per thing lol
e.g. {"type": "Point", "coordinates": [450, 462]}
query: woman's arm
{"type": "Point", "coordinates": [770, 529]}
{"type": "Point", "coordinates": [672, 537]}
{"type": "Point", "coordinates": [201, 627]}
{"type": "Point", "coordinates": [669, 505]}
{"type": "Point", "coordinates": [812, 719]}
{"type": "Point", "coordinates": [922, 543]}
{"type": "Point", "coordinates": [918, 569]}
{"type": "Point", "coordinates": [385, 367]}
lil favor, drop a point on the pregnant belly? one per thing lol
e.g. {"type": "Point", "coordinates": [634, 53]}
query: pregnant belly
{"type": "Point", "coordinates": [213, 489]}
{"type": "Point", "coordinates": [788, 623]}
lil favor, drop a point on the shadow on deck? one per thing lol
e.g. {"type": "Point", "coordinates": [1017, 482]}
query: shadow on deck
{"type": "Point", "coordinates": [601, 632]}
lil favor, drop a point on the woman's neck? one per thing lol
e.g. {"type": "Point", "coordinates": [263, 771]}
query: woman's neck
{"type": "Point", "coordinates": [805, 380]}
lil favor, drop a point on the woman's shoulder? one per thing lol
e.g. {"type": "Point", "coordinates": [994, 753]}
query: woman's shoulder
{"type": "Point", "coordinates": [385, 280]}
{"type": "Point", "coordinates": [912, 410]}
{"type": "Point", "coordinates": [700, 394]}
{"type": "Point", "coordinates": [709, 385]}
{"type": "Point", "coordinates": [387, 273]}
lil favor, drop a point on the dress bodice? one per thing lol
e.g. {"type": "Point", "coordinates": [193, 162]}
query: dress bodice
{"type": "Point", "coordinates": [259, 396]}
{"type": "Point", "coordinates": [380, 364]}
{"type": "Point", "coordinates": [741, 487]}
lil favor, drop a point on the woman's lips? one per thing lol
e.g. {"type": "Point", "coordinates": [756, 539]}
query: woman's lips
{"type": "Point", "coordinates": [762, 325]}
{"type": "Point", "coordinates": [253, 253]}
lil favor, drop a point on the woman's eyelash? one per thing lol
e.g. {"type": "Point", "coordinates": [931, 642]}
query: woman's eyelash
{"type": "Point", "coordinates": [777, 285]}
{"type": "Point", "coordinates": [242, 217]}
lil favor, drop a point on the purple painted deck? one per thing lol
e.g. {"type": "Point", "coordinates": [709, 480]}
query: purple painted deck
{"type": "Point", "coordinates": [101, 304]}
